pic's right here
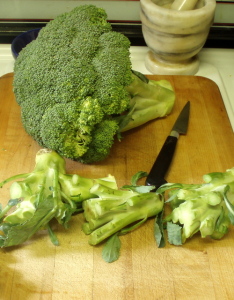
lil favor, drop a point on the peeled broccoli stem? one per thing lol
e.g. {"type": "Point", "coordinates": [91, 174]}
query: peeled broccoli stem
{"type": "Point", "coordinates": [113, 210]}
{"type": "Point", "coordinates": [43, 194]}
{"type": "Point", "coordinates": [206, 207]}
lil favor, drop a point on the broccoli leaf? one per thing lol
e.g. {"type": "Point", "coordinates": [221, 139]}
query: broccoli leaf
{"type": "Point", "coordinates": [52, 235]}
{"type": "Point", "coordinates": [158, 230]}
{"type": "Point", "coordinates": [139, 188]}
{"type": "Point", "coordinates": [111, 249]}
{"type": "Point", "coordinates": [19, 233]}
{"type": "Point", "coordinates": [174, 233]}
{"type": "Point", "coordinates": [138, 176]}
{"type": "Point", "coordinates": [141, 76]}
{"type": "Point", "coordinates": [133, 227]}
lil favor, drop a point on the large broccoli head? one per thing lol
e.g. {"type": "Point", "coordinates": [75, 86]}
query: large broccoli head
{"type": "Point", "coordinates": [71, 84]}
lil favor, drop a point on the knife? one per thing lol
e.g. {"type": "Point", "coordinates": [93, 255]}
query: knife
{"type": "Point", "coordinates": [156, 176]}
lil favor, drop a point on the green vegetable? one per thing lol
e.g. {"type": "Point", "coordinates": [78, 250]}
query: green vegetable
{"type": "Point", "coordinates": [48, 193]}
{"type": "Point", "coordinates": [158, 230]}
{"type": "Point", "coordinates": [44, 194]}
{"type": "Point", "coordinates": [206, 208]}
{"type": "Point", "coordinates": [116, 212]}
{"type": "Point", "coordinates": [111, 250]}
{"type": "Point", "coordinates": [76, 89]}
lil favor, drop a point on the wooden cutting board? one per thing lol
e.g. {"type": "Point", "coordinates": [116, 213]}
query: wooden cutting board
{"type": "Point", "coordinates": [200, 269]}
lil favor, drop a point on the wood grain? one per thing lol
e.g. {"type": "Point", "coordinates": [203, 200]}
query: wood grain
{"type": "Point", "coordinates": [200, 269]}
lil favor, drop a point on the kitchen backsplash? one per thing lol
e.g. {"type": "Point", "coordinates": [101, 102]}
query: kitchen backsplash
{"type": "Point", "coordinates": [117, 10]}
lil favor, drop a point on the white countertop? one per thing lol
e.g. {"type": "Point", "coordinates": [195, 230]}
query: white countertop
{"type": "Point", "coordinates": [215, 64]}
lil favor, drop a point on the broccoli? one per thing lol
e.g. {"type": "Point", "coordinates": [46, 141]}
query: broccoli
{"type": "Point", "coordinates": [206, 207]}
{"type": "Point", "coordinates": [77, 90]}
{"type": "Point", "coordinates": [112, 210]}
{"type": "Point", "coordinates": [44, 194]}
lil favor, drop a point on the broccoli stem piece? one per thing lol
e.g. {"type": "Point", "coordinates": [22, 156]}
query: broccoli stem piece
{"type": "Point", "coordinates": [78, 187]}
{"type": "Point", "coordinates": [150, 100]}
{"type": "Point", "coordinates": [206, 207]}
{"type": "Point", "coordinates": [44, 194]}
{"type": "Point", "coordinates": [113, 210]}
{"type": "Point", "coordinates": [10, 204]}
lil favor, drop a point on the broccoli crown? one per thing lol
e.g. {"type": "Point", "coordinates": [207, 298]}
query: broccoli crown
{"type": "Point", "coordinates": [71, 79]}
{"type": "Point", "coordinates": [72, 84]}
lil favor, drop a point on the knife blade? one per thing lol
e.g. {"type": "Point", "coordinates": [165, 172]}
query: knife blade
{"type": "Point", "coordinates": [156, 176]}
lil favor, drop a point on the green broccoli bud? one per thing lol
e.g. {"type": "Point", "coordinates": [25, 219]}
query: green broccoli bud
{"type": "Point", "coordinates": [67, 127]}
{"type": "Point", "coordinates": [103, 139]}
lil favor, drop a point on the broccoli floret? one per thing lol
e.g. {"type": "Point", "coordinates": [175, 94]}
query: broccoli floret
{"type": "Point", "coordinates": [44, 194]}
{"type": "Point", "coordinates": [32, 112]}
{"type": "Point", "coordinates": [63, 132]}
{"type": "Point", "coordinates": [112, 210]}
{"type": "Point", "coordinates": [77, 57]}
{"type": "Point", "coordinates": [114, 69]}
{"type": "Point", "coordinates": [206, 207]}
{"type": "Point", "coordinates": [103, 139]}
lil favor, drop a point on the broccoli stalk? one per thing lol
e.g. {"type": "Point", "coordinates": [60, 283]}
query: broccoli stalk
{"type": "Point", "coordinates": [113, 210]}
{"type": "Point", "coordinates": [206, 207]}
{"type": "Point", "coordinates": [150, 100]}
{"type": "Point", "coordinates": [44, 194]}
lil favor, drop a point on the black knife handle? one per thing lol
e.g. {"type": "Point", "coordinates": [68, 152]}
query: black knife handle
{"type": "Point", "coordinates": [162, 163]}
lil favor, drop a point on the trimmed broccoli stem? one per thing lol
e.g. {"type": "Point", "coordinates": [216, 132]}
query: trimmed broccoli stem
{"type": "Point", "coordinates": [45, 193]}
{"type": "Point", "coordinates": [150, 100]}
{"type": "Point", "coordinates": [15, 177]}
{"type": "Point", "coordinates": [107, 215]}
{"type": "Point", "coordinates": [119, 222]}
{"type": "Point", "coordinates": [11, 203]}
{"type": "Point", "coordinates": [79, 188]}
{"type": "Point", "coordinates": [206, 207]}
